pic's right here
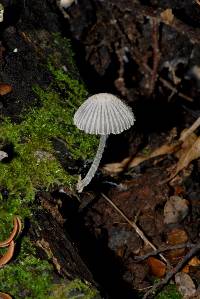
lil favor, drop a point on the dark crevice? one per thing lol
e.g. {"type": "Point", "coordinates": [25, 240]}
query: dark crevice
{"type": "Point", "coordinates": [105, 267]}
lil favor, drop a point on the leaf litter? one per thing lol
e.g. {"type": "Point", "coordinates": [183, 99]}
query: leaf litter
{"type": "Point", "coordinates": [157, 210]}
{"type": "Point", "coordinates": [186, 148]}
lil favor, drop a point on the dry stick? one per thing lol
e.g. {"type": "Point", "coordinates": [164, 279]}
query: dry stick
{"type": "Point", "coordinates": [132, 224]}
{"type": "Point", "coordinates": [164, 81]}
{"type": "Point", "coordinates": [167, 83]}
{"type": "Point", "coordinates": [158, 286]}
{"type": "Point", "coordinates": [175, 90]}
{"type": "Point", "coordinates": [156, 252]}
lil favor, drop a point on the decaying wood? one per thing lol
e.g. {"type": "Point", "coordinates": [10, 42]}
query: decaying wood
{"type": "Point", "coordinates": [29, 47]}
{"type": "Point", "coordinates": [54, 243]}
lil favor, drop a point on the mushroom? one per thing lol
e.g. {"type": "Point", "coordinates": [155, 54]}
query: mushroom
{"type": "Point", "coordinates": [102, 114]}
{"type": "Point", "coordinates": [1, 12]}
{"type": "Point", "coordinates": [66, 3]}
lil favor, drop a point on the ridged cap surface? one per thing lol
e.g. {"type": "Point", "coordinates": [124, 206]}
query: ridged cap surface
{"type": "Point", "coordinates": [104, 114]}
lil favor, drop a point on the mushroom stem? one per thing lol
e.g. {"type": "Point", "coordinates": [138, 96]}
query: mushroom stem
{"type": "Point", "coordinates": [93, 168]}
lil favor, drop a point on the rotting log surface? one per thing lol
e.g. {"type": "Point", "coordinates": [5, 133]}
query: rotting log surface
{"type": "Point", "coordinates": [26, 42]}
{"type": "Point", "coordinates": [52, 239]}
{"type": "Point", "coordinates": [27, 35]}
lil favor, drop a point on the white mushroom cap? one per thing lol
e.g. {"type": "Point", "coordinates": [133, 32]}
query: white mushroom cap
{"type": "Point", "coordinates": [104, 114]}
{"type": "Point", "coordinates": [66, 3]}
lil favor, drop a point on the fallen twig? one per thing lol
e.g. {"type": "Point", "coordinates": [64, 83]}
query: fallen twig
{"type": "Point", "coordinates": [175, 90]}
{"type": "Point", "coordinates": [158, 286]}
{"type": "Point", "coordinates": [156, 252]}
{"type": "Point", "coordinates": [136, 228]}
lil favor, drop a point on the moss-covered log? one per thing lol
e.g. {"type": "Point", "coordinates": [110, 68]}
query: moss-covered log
{"type": "Point", "coordinates": [36, 118]}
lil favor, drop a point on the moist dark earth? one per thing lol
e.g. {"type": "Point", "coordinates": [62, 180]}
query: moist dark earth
{"type": "Point", "coordinates": [148, 54]}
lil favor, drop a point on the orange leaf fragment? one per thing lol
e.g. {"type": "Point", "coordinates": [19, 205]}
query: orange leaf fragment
{"type": "Point", "coordinates": [177, 236]}
{"type": "Point", "coordinates": [5, 88]}
{"type": "Point", "coordinates": [174, 237]}
{"type": "Point", "coordinates": [8, 255]}
{"type": "Point", "coordinates": [16, 230]}
{"type": "Point", "coordinates": [157, 267]}
{"type": "Point", "coordinates": [186, 269]}
{"type": "Point", "coordinates": [5, 296]}
{"type": "Point", "coordinates": [167, 16]}
{"type": "Point", "coordinates": [194, 262]}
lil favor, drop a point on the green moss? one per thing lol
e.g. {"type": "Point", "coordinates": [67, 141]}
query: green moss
{"type": "Point", "coordinates": [65, 51]}
{"type": "Point", "coordinates": [73, 290]}
{"type": "Point", "coordinates": [169, 292]}
{"type": "Point", "coordinates": [34, 167]}
{"type": "Point", "coordinates": [27, 276]}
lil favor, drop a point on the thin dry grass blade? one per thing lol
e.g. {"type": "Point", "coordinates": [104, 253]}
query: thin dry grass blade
{"type": "Point", "coordinates": [132, 224]}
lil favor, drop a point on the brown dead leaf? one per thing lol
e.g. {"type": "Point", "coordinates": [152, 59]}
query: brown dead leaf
{"type": "Point", "coordinates": [157, 267]}
{"type": "Point", "coordinates": [5, 88]}
{"type": "Point", "coordinates": [187, 149]}
{"type": "Point", "coordinates": [186, 144]}
{"type": "Point", "coordinates": [185, 284]}
{"type": "Point", "coordinates": [174, 237]}
{"type": "Point", "coordinates": [194, 262]}
{"type": "Point", "coordinates": [177, 236]}
{"type": "Point", "coordinates": [175, 210]}
{"type": "Point", "coordinates": [116, 168]}
{"type": "Point", "coordinates": [192, 153]}
{"type": "Point", "coordinates": [162, 150]}
{"type": "Point", "coordinates": [167, 16]}
{"type": "Point", "coordinates": [186, 132]}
